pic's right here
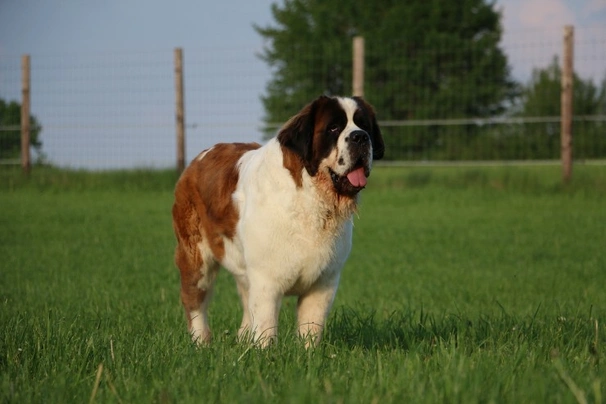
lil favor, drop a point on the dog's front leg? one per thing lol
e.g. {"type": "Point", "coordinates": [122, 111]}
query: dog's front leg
{"type": "Point", "coordinates": [264, 302]}
{"type": "Point", "coordinates": [312, 311]}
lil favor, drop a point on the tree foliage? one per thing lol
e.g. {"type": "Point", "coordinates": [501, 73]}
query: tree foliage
{"type": "Point", "coordinates": [424, 60]}
{"type": "Point", "coordinates": [10, 134]}
{"type": "Point", "coordinates": [541, 97]}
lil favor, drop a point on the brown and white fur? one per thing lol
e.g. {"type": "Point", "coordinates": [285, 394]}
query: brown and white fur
{"type": "Point", "coordinates": [278, 217]}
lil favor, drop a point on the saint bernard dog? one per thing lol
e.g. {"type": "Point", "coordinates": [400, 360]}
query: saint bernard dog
{"type": "Point", "coordinates": [278, 217]}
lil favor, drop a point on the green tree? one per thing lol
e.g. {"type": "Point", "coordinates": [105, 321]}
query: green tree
{"type": "Point", "coordinates": [541, 97]}
{"type": "Point", "coordinates": [10, 134]}
{"type": "Point", "coordinates": [425, 59]}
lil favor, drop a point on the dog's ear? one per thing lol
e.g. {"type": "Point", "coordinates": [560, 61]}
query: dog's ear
{"type": "Point", "coordinates": [376, 138]}
{"type": "Point", "coordinates": [298, 133]}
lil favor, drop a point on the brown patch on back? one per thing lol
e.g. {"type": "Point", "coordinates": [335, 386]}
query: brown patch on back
{"type": "Point", "coordinates": [203, 197]}
{"type": "Point", "coordinates": [204, 211]}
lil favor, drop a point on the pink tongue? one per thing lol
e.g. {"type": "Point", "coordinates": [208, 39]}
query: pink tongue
{"type": "Point", "coordinates": [357, 177]}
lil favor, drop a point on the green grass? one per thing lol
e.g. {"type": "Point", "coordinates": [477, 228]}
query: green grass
{"type": "Point", "coordinates": [464, 285]}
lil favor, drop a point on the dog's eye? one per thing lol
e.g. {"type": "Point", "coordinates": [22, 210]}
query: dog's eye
{"type": "Point", "coordinates": [333, 129]}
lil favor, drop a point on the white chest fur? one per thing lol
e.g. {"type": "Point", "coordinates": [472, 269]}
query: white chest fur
{"type": "Point", "coordinates": [284, 232]}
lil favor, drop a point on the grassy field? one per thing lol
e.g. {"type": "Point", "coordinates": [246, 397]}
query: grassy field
{"type": "Point", "coordinates": [465, 285]}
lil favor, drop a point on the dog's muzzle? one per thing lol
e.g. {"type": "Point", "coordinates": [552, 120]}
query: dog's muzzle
{"type": "Point", "coordinates": [355, 178]}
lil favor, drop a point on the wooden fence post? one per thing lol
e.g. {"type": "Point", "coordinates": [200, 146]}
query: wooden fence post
{"type": "Point", "coordinates": [566, 103]}
{"type": "Point", "coordinates": [25, 113]}
{"type": "Point", "coordinates": [358, 66]}
{"type": "Point", "coordinates": [180, 111]}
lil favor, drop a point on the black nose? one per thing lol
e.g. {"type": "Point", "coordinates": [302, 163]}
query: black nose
{"type": "Point", "coordinates": [359, 137]}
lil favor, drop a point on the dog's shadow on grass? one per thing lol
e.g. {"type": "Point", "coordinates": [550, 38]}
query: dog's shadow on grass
{"type": "Point", "coordinates": [423, 332]}
{"type": "Point", "coordinates": [398, 330]}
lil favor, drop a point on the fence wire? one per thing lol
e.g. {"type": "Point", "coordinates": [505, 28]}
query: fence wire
{"type": "Point", "coordinates": [117, 110]}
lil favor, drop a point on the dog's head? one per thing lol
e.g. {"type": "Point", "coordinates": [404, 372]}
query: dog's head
{"type": "Point", "coordinates": [338, 137]}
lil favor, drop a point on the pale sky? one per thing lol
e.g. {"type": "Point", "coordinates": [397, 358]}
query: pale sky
{"type": "Point", "coordinates": [542, 21]}
{"type": "Point", "coordinates": [71, 40]}
{"type": "Point", "coordinates": [59, 26]}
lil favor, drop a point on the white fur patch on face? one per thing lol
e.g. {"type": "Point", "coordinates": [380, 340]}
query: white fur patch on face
{"type": "Point", "coordinates": [349, 106]}
{"type": "Point", "coordinates": [343, 159]}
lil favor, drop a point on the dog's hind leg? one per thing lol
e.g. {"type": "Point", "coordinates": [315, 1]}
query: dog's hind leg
{"type": "Point", "coordinates": [197, 278]}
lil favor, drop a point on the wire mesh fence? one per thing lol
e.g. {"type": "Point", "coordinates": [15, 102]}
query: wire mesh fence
{"type": "Point", "coordinates": [117, 110]}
